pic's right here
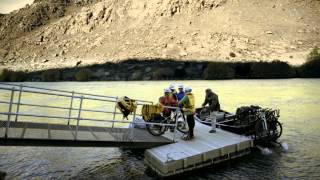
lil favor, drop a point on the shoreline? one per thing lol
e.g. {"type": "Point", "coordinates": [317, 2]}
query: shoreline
{"type": "Point", "coordinates": [168, 69]}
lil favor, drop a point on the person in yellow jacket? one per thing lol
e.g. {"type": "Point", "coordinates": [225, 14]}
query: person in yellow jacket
{"type": "Point", "coordinates": [187, 104]}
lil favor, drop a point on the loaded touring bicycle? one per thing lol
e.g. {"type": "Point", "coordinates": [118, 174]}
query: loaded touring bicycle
{"type": "Point", "coordinates": [259, 123]}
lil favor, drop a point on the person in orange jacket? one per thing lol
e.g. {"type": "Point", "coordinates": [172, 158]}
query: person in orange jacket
{"type": "Point", "coordinates": [167, 100]}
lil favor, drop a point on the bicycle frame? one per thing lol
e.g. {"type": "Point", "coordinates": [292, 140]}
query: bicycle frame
{"type": "Point", "coordinates": [262, 116]}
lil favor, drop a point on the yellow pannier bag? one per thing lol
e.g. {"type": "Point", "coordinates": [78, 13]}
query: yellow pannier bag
{"type": "Point", "coordinates": [126, 106]}
{"type": "Point", "coordinates": [148, 111]}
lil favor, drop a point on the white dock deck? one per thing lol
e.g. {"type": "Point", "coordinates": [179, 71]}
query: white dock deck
{"type": "Point", "coordinates": [203, 150]}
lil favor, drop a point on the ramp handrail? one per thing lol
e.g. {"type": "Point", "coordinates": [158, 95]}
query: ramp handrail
{"type": "Point", "coordinates": [17, 102]}
{"type": "Point", "coordinates": [65, 91]}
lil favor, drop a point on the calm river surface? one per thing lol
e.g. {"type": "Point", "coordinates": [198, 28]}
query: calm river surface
{"type": "Point", "coordinates": [298, 100]}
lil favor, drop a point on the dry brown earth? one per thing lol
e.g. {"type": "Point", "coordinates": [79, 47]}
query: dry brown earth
{"type": "Point", "coordinates": [47, 35]}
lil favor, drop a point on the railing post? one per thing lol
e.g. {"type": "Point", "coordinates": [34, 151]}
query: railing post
{"type": "Point", "coordinates": [175, 131]}
{"type": "Point", "coordinates": [114, 112]}
{"type": "Point", "coordinates": [175, 127]}
{"type": "Point", "coordinates": [19, 101]}
{"type": "Point", "coordinates": [134, 116]}
{"type": "Point", "coordinates": [132, 126]}
{"type": "Point", "coordinates": [78, 119]}
{"type": "Point", "coordinates": [176, 124]}
{"type": "Point", "coordinates": [70, 110]}
{"type": "Point", "coordinates": [9, 112]}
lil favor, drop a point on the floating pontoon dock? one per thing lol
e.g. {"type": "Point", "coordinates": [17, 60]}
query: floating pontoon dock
{"type": "Point", "coordinates": [21, 126]}
{"type": "Point", "coordinates": [203, 150]}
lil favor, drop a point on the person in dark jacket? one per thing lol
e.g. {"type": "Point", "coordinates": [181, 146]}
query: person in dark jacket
{"type": "Point", "coordinates": [213, 107]}
{"type": "Point", "coordinates": [181, 92]}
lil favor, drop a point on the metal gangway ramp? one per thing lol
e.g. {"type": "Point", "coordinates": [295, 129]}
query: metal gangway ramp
{"type": "Point", "coordinates": [35, 116]}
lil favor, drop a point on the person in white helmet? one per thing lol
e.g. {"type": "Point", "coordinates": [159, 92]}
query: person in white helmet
{"type": "Point", "coordinates": [173, 91]}
{"type": "Point", "coordinates": [187, 104]}
{"type": "Point", "coordinates": [181, 92]}
{"type": "Point", "coordinates": [167, 100]}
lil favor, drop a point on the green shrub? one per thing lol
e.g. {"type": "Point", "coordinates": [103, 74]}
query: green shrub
{"type": "Point", "coordinates": [137, 75]}
{"type": "Point", "coordinates": [163, 73]}
{"type": "Point", "coordinates": [11, 76]}
{"type": "Point", "coordinates": [83, 75]}
{"type": "Point", "coordinates": [275, 69]}
{"type": "Point", "coordinates": [4, 74]}
{"type": "Point", "coordinates": [16, 76]}
{"type": "Point", "coordinates": [314, 54]}
{"type": "Point", "coordinates": [50, 75]}
{"type": "Point", "coordinates": [242, 69]}
{"type": "Point", "coordinates": [218, 71]}
{"type": "Point", "coordinates": [310, 69]}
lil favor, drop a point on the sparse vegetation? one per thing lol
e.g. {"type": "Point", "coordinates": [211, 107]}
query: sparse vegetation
{"type": "Point", "coordinates": [159, 69]}
{"type": "Point", "coordinates": [11, 76]}
{"type": "Point", "coordinates": [4, 74]}
{"type": "Point", "coordinates": [16, 76]}
{"type": "Point", "coordinates": [51, 75]}
{"type": "Point", "coordinates": [242, 69]}
{"type": "Point", "coordinates": [83, 75]}
{"type": "Point", "coordinates": [163, 73]}
{"type": "Point", "coordinates": [274, 69]}
{"type": "Point", "coordinates": [314, 54]}
{"type": "Point", "coordinates": [310, 69]}
{"type": "Point", "coordinates": [137, 75]}
{"type": "Point", "coordinates": [218, 71]}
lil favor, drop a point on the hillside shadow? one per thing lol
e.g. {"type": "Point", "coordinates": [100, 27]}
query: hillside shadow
{"type": "Point", "coordinates": [169, 69]}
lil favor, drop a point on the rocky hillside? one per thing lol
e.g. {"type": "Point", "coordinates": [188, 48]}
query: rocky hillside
{"type": "Point", "coordinates": [64, 33]}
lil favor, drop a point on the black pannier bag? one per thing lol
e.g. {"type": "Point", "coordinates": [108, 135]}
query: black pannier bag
{"type": "Point", "coordinates": [245, 113]}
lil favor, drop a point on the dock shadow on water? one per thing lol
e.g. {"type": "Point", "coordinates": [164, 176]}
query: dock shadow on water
{"type": "Point", "coordinates": [298, 100]}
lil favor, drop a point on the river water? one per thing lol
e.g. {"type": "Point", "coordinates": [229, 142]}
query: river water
{"type": "Point", "coordinates": [298, 100]}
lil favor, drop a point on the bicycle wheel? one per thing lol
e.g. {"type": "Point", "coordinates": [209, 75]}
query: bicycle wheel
{"type": "Point", "coordinates": [182, 124]}
{"type": "Point", "coordinates": [182, 127]}
{"type": "Point", "coordinates": [275, 130]}
{"type": "Point", "coordinates": [154, 129]}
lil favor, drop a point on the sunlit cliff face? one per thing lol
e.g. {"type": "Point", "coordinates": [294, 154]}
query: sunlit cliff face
{"type": "Point", "coordinates": [58, 35]}
{"type": "Point", "coordinates": [7, 6]}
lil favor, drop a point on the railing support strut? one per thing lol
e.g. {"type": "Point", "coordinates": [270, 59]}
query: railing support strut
{"type": "Point", "coordinates": [114, 112]}
{"type": "Point", "coordinates": [71, 105]}
{"type": "Point", "coordinates": [175, 128]}
{"type": "Point", "coordinates": [19, 101]}
{"type": "Point", "coordinates": [9, 112]}
{"type": "Point", "coordinates": [79, 116]}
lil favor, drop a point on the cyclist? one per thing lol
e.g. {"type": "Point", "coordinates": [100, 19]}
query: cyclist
{"type": "Point", "coordinates": [167, 100]}
{"type": "Point", "coordinates": [187, 102]}
{"type": "Point", "coordinates": [173, 91]}
{"type": "Point", "coordinates": [181, 92]}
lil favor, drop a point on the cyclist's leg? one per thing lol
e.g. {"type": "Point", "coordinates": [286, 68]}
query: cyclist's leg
{"type": "Point", "coordinates": [191, 123]}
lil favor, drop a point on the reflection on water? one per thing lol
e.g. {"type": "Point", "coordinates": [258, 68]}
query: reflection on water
{"type": "Point", "coordinates": [298, 100]}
